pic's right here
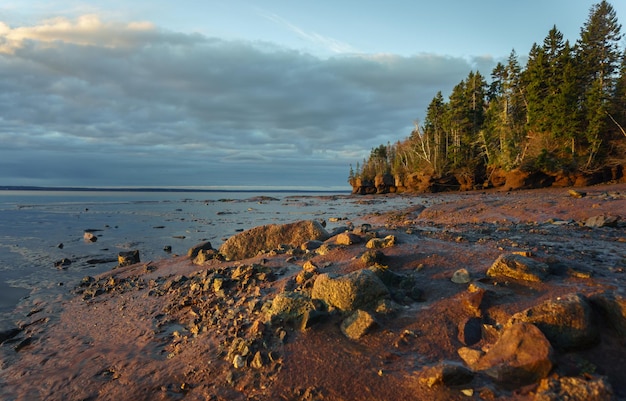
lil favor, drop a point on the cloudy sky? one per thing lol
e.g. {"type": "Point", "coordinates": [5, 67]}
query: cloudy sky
{"type": "Point", "coordinates": [237, 93]}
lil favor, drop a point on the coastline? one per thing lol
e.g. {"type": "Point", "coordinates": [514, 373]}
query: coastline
{"type": "Point", "coordinates": [136, 339]}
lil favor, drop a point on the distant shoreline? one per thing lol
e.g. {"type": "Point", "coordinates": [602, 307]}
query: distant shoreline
{"type": "Point", "coordinates": [157, 189]}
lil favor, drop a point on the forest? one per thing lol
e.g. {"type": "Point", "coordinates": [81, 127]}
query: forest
{"type": "Point", "coordinates": [563, 112]}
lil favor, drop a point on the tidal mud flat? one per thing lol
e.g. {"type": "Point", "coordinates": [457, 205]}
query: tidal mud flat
{"type": "Point", "coordinates": [433, 301]}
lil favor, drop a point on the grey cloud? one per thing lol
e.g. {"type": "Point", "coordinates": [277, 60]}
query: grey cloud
{"type": "Point", "coordinates": [168, 105]}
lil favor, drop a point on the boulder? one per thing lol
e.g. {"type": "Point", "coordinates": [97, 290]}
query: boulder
{"type": "Point", "coordinates": [194, 250]}
{"type": "Point", "coordinates": [518, 267]}
{"type": "Point", "coordinates": [567, 322]}
{"type": "Point", "coordinates": [522, 355]}
{"type": "Point", "coordinates": [372, 256]}
{"type": "Point", "coordinates": [292, 307]}
{"type": "Point", "coordinates": [574, 389]}
{"type": "Point", "coordinates": [249, 243]}
{"type": "Point", "coordinates": [128, 258]}
{"type": "Point", "coordinates": [377, 243]}
{"type": "Point", "coordinates": [613, 307]}
{"type": "Point", "coordinates": [347, 238]}
{"type": "Point", "coordinates": [358, 324]}
{"type": "Point", "coordinates": [351, 291]}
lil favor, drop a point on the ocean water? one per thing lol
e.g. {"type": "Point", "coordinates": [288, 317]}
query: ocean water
{"type": "Point", "coordinates": [40, 228]}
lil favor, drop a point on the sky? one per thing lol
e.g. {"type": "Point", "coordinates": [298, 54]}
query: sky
{"type": "Point", "coordinates": [233, 94]}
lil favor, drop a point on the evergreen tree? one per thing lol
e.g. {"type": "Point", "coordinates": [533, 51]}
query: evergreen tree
{"type": "Point", "coordinates": [435, 134]}
{"type": "Point", "coordinates": [599, 58]}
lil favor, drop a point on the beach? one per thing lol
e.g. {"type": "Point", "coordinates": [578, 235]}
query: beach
{"type": "Point", "coordinates": [269, 326]}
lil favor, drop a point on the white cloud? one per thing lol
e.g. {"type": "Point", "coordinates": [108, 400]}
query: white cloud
{"type": "Point", "coordinates": [138, 96]}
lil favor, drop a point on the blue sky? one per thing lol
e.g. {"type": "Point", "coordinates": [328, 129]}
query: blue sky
{"type": "Point", "coordinates": [238, 93]}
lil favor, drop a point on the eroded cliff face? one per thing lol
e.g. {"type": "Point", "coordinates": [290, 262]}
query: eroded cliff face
{"type": "Point", "coordinates": [465, 180]}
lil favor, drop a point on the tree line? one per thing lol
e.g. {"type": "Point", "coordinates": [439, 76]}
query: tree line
{"type": "Point", "coordinates": [564, 110]}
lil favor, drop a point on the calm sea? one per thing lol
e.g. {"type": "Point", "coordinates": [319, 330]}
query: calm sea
{"type": "Point", "coordinates": [41, 228]}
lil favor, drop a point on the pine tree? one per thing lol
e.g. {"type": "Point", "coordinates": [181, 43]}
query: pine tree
{"type": "Point", "coordinates": [599, 56]}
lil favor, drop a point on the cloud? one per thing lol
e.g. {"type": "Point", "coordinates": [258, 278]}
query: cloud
{"type": "Point", "coordinates": [77, 93]}
{"type": "Point", "coordinates": [333, 45]}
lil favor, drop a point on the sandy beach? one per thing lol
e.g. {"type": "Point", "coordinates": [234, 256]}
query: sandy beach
{"type": "Point", "coordinates": [214, 330]}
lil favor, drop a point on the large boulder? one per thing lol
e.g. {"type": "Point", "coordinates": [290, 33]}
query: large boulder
{"type": "Point", "coordinates": [566, 321]}
{"type": "Point", "coordinates": [250, 242]}
{"type": "Point", "coordinates": [613, 307]}
{"type": "Point", "coordinates": [521, 356]}
{"type": "Point", "coordinates": [349, 292]}
{"type": "Point", "coordinates": [518, 267]}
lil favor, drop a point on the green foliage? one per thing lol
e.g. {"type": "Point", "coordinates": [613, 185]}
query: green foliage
{"type": "Point", "coordinates": [562, 110]}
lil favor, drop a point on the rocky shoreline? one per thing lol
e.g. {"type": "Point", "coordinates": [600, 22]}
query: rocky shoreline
{"type": "Point", "coordinates": [480, 295]}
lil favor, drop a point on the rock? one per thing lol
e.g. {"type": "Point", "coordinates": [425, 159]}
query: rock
{"type": "Point", "coordinates": [574, 389]}
{"type": "Point", "coordinates": [292, 307]}
{"type": "Point", "coordinates": [376, 243]}
{"type": "Point", "coordinates": [576, 194]}
{"type": "Point", "coordinates": [194, 250]}
{"type": "Point", "coordinates": [518, 267]}
{"type": "Point", "coordinates": [602, 221]}
{"type": "Point", "coordinates": [128, 258]}
{"type": "Point", "coordinates": [446, 373]}
{"type": "Point", "coordinates": [470, 331]}
{"type": "Point", "coordinates": [89, 236]}
{"type": "Point", "coordinates": [358, 324]}
{"type": "Point", "coordinates": [311, 245]}
{"type": "Point", "coordinates": [167, 248]}
{"type": "Point", "coordinates": [566, 321]}
{"type": "Point", "coordinates": [521, 356]}
{"type": "Point", "coordinates": [250, 242]}
{"type": "Point", "coordinates": [347, 238]}
{"type": "Point", "coordinates": [239, 362]}
{"type": "Point", "coordinates": [613, 307]}
{"type": "Point", "coordinates": [470, 356]}
{"type": "Point", "coordinates": [257, 361]}
{"type": "Point", "coordinates": [363, 229]}
{"type": "Point", "coordinates": [461, 276]}
{"type": "Point", "coordinates": [63, 263]}
{"type": "Point", "coordinates": [351, 291]}
{"type": "Point", "coordinates": [205, 255]}
{"type": "Point", "coordinates": [373, 256]}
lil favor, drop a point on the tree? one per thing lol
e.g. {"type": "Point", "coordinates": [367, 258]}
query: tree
{"type": "Point", "coordinates": [435, 134]}
{"type": "Point", "coordinates": [599, 57]}
{"type": "Point", "coordinates": [503, 131]}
